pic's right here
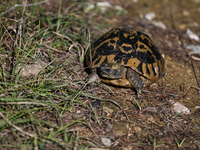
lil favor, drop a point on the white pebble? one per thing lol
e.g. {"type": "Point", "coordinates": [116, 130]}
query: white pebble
{"type": "Point", "coordinates": [150, 16]}
{"type": "Point", "coordinates": [192, 35]}
{"type": "Point", "coordinates": [104, 4]}
{"type": "Point", "coordinates": [195, 48]}
{"type": "Point", "coordinates": [106, 141]}
{"type": "Point", "coordinates": [180, 108]}
{"type": "Point", "coordinates": [197, 107]}
{"type": "Point", "coordinates": [159, 24]}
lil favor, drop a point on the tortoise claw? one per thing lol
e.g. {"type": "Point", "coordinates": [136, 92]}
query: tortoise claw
{"type": "Point", "coordinates": [139, 91]}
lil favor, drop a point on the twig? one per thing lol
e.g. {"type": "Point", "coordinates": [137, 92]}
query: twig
{"type": "Point", "coordinates": [56, 50]}
{"type": "Point", "coordinates": [197, 88]}
{"type": "Point", "coordinates": [194, 57]}
{"type": "Point", "coordinates": [64, 36]}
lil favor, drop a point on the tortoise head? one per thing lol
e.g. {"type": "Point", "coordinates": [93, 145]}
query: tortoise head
{"type": "Point", "coordinates": [111, 70]}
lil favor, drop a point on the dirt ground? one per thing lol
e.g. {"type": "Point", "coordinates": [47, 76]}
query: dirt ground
{"type": "Point", "coordinates": [155, 123]}
{"type": "Point", "coordinates": [156, 117]}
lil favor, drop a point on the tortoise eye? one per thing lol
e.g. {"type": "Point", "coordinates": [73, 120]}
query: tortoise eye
{"type": "Point", "coordinates": [106, 70]}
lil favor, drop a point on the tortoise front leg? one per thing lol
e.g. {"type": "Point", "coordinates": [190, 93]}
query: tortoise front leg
{"type": "Point", "coordinates": [135, 80]}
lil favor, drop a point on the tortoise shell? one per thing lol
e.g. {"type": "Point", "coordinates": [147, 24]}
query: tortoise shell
{"type": "Point", "coordinates": [130, 48]}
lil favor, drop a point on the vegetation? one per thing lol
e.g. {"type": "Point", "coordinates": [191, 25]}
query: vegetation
{"type": "Point", "coordinates": [44, 100]}
{"type": "Point", "coordinates": [40, 55]}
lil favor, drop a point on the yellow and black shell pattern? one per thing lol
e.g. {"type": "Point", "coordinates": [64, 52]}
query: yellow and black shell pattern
{"type": "Point", "coordinates": [129, 48]}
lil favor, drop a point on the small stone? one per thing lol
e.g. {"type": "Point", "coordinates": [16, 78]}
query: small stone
{"type": "Point", "coordinates": [159, 24]}
{"type": "Point", "coordinates": [150, 16]}
{"type": "Point", "coordinates": [30, 69]}
{"type": "Point", "coordinates": [192, 35]}
{"type": "Point", "coordinates": [195, 48]}
{"type": "Point", "coordinates": [180, 108]}
{"type": "Point", "coordinates": [106, 141]}
{"type": "Point", "coordinates": [103, 6]}
{"type": "Point", "coordinates": [186, 13]}
{"type": "Point", "coordinates": [117, 7]}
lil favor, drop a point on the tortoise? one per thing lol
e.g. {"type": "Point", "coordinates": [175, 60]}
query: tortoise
{"type": "Point", "coordinates": [125, 57]}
